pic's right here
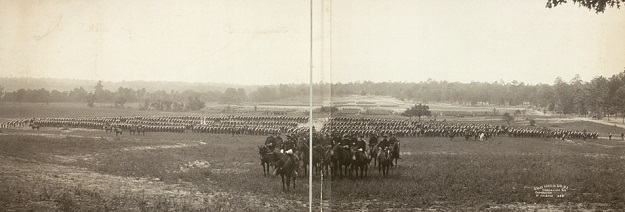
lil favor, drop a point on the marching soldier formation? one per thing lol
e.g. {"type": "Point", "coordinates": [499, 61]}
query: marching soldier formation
{"type": "Point", "coordinates": [262, 125]}
{"type": "Point", "coordinates": [233, 124]}
{"type": "Point", "coordinates": [412, 128]}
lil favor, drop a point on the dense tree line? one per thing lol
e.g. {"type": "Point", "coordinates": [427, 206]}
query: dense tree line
{"type": "Point", "coordinates": [158, 100]}
{"type": "Point", "coordinates": [599, 96]}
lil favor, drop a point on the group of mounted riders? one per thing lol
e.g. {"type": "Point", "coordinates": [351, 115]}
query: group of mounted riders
{"type": "Point", "coordinates": [119, 129]}
{"type": "Point", "coordinates": [336, 154]}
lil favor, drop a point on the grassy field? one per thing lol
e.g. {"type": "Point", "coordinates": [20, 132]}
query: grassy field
{"type": "Point", "coordinates": [90, 170]}
{"type": "Point", "coordinates": [83, 170]}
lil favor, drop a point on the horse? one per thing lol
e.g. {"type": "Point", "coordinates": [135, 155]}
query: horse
{"type": "Point", "coordinates": [140, 129]}
{"type": "Point", "coordinates": [385, 161]}
{"type": "Point", "coordinates": [118, 131]}
{"type": "Point", "coordinates": [302, 149]}
{"type": "Point", "coordinates": [266, 157]}
{"type": "Point", "coordinates": [360, 163]}
{"type": "Point", "coordinates": [34, 126]}
{"type": "Point", "coordinates": [326, 161]}
{"type": "Point", "coordinates": [319, 155]}
{"type": "Point", "coordinates": [108, 128]}
{"type": "Point", "coordinates": [133, 129]}
{"type": "Point", "coordinates": [341, 160]}
{"type": "Point", "coordinates": [395, 153]}
{"type": "Point", "coordinates": [286, 168]}
{"type": "Point", "coordinates": [373, 153]}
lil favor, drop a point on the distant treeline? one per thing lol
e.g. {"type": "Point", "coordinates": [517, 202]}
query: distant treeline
{"type": "Point", "coordinates": [599, 96]}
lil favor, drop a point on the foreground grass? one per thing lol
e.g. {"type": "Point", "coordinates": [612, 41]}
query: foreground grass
{"type": "Point", "coordinates": [501, 171]}
{"type": "Point", "coordinates": [434, 172]}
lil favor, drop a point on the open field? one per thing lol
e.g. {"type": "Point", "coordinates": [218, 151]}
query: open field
{"type": "Point", "coordinates": [89, 170]}
{"type": "Point", "coordinates": [82, 170]}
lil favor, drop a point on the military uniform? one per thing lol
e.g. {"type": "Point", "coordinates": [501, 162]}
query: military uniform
{"type": "Point", "coordinates": [373, 140]}
{"type": "Point", "coordinates": [270, 142]}
{"type": "Point", "coordinates": [385, 143]}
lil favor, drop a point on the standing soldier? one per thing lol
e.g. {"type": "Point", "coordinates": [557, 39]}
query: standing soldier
{"type": "Point", "coordinates": [610, 136]}
{"type": "Point", "coordinates": [622, 136]}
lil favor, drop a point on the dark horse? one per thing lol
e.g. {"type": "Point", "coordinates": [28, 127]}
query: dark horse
{"type": "Point", "coordinates": [34, 126]}
{"type": "Point", "coordinates": [108, 128]}
{"type": "Point", "coordinates": [360, 163]}
{"type": "Point", "coordinates": [286, 168]}
{"type": "Point", "coordinates": [304, 154]}
{"type": "Point", "coordinates": [373, 153]}
{"type": "Point", "coordinates": [321, 154]}
{"type": "Point", "coordinates": [140, 129]}
{"type": "Point", "coordinates": [266, 159]}
{"type": "Point", "coordinates": [341, 160]}
{"type": "Point", "coordinates": [118, 131]}
{"type": "Point", "coordinates": [325, 159]}
{"type": "Point", "coordinates": [133, 129]}
{"type": "Point", "coordinates": [395, 153]}
{"type": "Point", "coordinates": [384, 161]}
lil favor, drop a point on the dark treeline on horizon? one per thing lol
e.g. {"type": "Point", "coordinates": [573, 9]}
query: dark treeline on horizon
{"type": "Point", "coordinates": [601, 95]}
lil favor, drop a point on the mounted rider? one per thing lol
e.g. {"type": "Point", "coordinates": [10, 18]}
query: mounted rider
{"type": "Point", "coordinates": [373, 140]}
{"type": "Point", "coordinates": [385, 143]}
{"type": "Point", "coordinates": [346, 142]}
{"type": "Point", "coordinates": [288, 147]}
{"type": "Point", "coordinates": [270, 142]}
{"type": "Point", "coordinates": [394, 141]}
{"type": "Point", "coordinates": [361, 146]}
{"type": "Point", "coordinates": [279, 139]}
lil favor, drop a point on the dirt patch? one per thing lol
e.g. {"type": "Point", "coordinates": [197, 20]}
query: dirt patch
{"type": "Point", "coordinates": [19, 170]}
{"type": "Point", "coordinates": [52, 135]}
{"type": "Point", "coordinates": [229, 171]}
{"type": "Point", "coordinates": [179, 145]}
{"type": "Point", "coordinates": [201, 164]}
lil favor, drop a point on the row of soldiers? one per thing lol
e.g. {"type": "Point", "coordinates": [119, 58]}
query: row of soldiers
{"type": "Point", "coordinates": [412, 128]}
{"type": "Point", "coordinates": [254, 125]}
{"type": "Point", "coordinates": [14, 123]}
{"type": "Point", "coordinates": [243, 129]}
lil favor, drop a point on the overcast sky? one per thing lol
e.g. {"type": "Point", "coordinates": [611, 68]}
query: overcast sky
{"type": "Point", "coordinates": [267, 41]}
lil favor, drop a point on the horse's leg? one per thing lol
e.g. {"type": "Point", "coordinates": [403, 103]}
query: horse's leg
{"type": "Point", "coordinates": [282, 176]}
{"type": "Point", "coordinates": [264, 170]}
{"type": "Point", "coordinates": [288, 181]}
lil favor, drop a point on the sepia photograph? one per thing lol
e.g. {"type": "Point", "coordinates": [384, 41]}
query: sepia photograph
{"type": "Point", "coordinates": [317, 105]}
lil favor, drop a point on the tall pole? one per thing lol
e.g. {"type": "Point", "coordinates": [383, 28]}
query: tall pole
{"type": "Point", "coordinates": [310, 117]}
